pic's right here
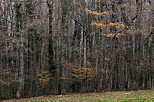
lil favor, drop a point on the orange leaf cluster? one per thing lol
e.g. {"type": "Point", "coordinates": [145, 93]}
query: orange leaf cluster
{"type": "Point", "coordinates": [43, 78]}
{"type": "Point", "coordinates": [98, 24]}
{"type": "Point", "coordinates": [112, 35]}
{"type": "Point", "coordinates": [83, 73]}
{"type": "Point", "coordinates": [118, 25]}
{"type": "Point", "coordinates": [107, 59]}
{"type": "Point", "coordinates": [63, 78]}
{"type": "Point", "coordinates": [96, 13]}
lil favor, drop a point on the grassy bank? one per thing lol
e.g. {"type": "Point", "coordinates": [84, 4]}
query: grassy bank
{"type": "Point", "coordinates": [118, 96]}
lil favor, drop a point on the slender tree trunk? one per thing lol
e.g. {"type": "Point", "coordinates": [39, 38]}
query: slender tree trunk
{"type": "Point", "coordinates": [85, 58]}
{"type": "Point", "coordinates": [20, 90]}
{"type": "Point", "coordinates": [50, 5]}
{"type": "Point", "coordinates": [81, 47]}
{"type": "Point", "coordinates": [21, 80]}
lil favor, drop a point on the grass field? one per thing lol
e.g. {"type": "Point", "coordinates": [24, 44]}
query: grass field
{"type": "Point", "coordinates": [117, 96]}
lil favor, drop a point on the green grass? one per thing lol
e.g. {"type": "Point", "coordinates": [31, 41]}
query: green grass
{"type": "Point", "coordinates": [123, 96]}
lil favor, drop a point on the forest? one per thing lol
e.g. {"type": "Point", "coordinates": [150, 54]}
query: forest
{"type": "Point", "coordinates": [53, 47]}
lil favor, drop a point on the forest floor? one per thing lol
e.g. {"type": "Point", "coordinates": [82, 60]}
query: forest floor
{"type": "Point", "coordinates": [115, 96]}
